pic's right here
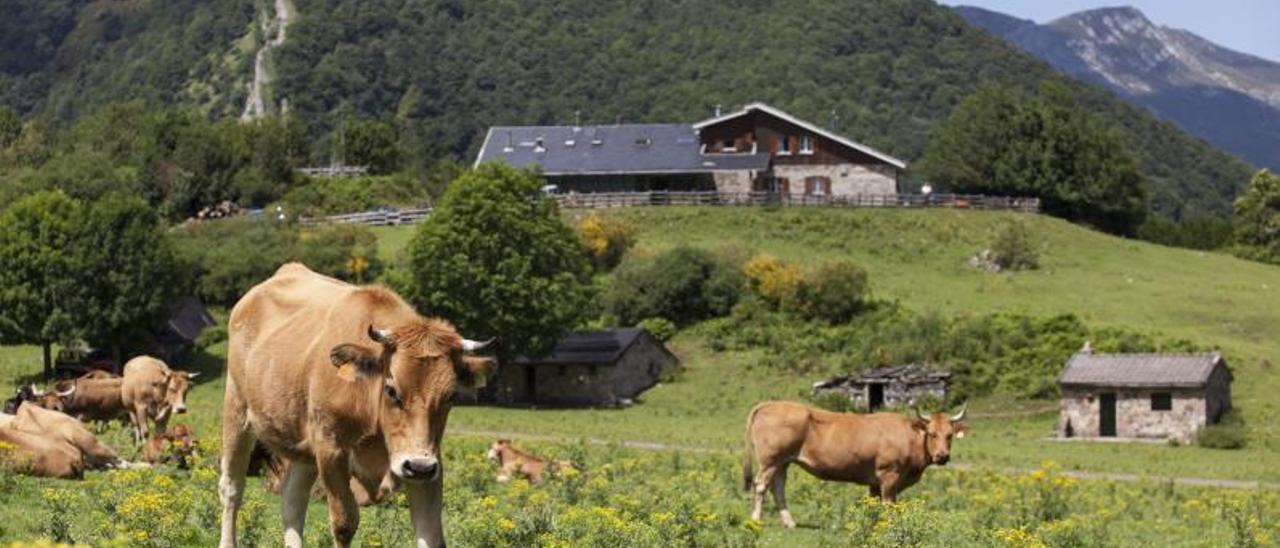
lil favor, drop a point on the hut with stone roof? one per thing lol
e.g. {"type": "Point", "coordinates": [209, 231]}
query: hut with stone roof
{"type": "Point", "coordinates": [896, 386]}
{"type": "Point", "coordinates": [1153, 396]}
{"type": "Point", "coordinates": [602, 367]}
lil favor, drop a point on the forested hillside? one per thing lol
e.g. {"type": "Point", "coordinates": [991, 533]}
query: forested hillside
{"type": "Point", "coordinates": [445, 70]}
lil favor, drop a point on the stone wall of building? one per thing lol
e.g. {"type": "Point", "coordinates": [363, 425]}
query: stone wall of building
{"type": "Point", "coordinates": [1080, 410]}
{"type": "Point", "coordinates": [641, 367]}
{"type": "Point", "coordinates": [896, 394]}
{"type": "Point", "coordinates": [733, 181]}
{"type": "Point", "coordinates": [846, 179]}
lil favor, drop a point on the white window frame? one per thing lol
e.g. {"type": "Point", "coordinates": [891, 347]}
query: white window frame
{"type": "Point", "coordinates": [784, 142]}
{"type": "Point", "coordinates": [806, 144]}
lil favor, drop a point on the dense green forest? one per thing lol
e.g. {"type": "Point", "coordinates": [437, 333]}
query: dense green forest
{"type": "Point", "coordinates": [444, 70]}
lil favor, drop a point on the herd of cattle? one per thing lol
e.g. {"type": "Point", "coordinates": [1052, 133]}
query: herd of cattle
{"type": "Point", "coordinates": [47, 430]}
{"type": "Point", "coordinates": [350, 386]}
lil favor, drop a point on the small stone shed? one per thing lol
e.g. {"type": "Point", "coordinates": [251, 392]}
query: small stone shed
{"type": "Point", "coordinates": [900, 385]}
{"type": "Point", "coordinates": [604, 367]}
{"type": "Point", "coordinates": [1158, 396]}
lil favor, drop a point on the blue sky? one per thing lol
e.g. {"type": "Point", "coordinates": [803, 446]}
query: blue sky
{"type": "Point", "coordinates": [1250, 26]}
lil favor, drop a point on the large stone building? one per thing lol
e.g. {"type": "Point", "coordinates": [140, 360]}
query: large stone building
{"type": "Point", "coordinates": [601, 367]}
{"type": "Point", "coordinates": [757, 149]}
{"type": "Point", "coordinates": [896, 386]}
{"type": "Point", "coordinates": [1161, 396]}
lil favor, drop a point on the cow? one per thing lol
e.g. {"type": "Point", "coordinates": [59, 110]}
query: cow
{"type": "Point", "coordinates": [887, 452]}
{"type": "Point", "coordinates": [35, 419]}
{"type": "Point", "coordinates": [178, 445]}
{"type": "Point", "coordinates": [22, 394]}
{"type": "Point", "coordinates": [151, 391]}
{"type": "Point", "coordinates": [99, 400]}
{"type": "Point", "coordinates": [513, 462]}
{"type": "Point", "coordinates": [342, 382]}
{"type": "Point", "coordinates": [38, 454]}
{"type": "Point", "coordinates": [99, 374]}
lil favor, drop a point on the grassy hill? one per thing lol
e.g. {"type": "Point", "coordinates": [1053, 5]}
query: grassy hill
{"type": "Point", "coordinates": [446, 70]}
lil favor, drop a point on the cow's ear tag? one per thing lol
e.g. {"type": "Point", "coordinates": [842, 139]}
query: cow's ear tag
{"type": "Point", "coordinates": [960, 434]}
{"type": "Point", "coordinates": [357, 360]}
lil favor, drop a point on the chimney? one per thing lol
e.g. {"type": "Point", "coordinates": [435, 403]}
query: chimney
{"type": "Point", "coordinates": [717, 110]}
{"type": "Point", "coordinates": [1087, 348]}
{"type": "Point", "coordinates": [835, 121]}
{"type": "Point", "coordinates": [577, 119]}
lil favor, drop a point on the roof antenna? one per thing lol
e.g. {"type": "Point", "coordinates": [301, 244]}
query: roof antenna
{"type": "Point", "coordinates": [577, 118]}
{"type": "Point", "coordinates": [835, 120]}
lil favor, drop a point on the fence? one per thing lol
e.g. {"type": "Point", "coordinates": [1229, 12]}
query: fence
{"type": "Point", "coordinates": [386, 217]}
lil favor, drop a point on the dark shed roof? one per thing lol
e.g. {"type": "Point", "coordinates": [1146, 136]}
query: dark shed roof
{"type": "Point", "coordinates": [598, 346]}
{"type": "Point", "coordinates": [610, 149]}
{"type": "Point", "coordinates": [1140, 370]}
{"type": "Point", "coordinates": [910, 374]}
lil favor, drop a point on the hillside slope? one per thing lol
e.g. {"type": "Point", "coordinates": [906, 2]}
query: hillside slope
{"type": "Point", "coordinates": [447, 69]}
{"type": "Point", "coordinates": [1228, 98]}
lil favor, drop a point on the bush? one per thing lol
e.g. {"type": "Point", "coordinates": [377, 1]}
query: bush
{"type": "Point", "coordinates": [661, 328]}
{"type": "Point", "coordinates": [683, 284]}
{"type": "Point", "coordinates": [605, 240]}
{"type": "Point", "coordinates": [328, 196]}
{"type": "Point", "coordinates": [1229, 433]}
{"type": "Point", "coordinates": [1013, 248]}
{"type": "Point", "coordinates": [834, 292]}
{"type": "Point", "coordinates": [776, 282]}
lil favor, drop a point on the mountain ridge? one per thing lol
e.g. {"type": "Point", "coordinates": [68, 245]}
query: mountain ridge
{"type": "Point", "coordinates": [1229, 98]}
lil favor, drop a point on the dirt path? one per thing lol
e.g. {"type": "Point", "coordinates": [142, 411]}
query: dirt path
{"type": "Point", "coordinates": [1075, 474]}
{"type": "Point", "coordinates": [255, 106]}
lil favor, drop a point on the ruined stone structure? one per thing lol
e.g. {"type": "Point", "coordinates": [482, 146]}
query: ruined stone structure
{"type": "Point", "coordinates": [587, 368]}
{"type": "Point", "coordinates": [1160, 396]}
{"type": "Point", "coordinates": [898, 386]}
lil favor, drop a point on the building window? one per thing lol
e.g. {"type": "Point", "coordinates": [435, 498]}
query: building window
{"type": "Point", "coordinates": [562, 371]}
{"type": "Point", "coordinates": [1161, 401]}
{"type": "Point", "coordinates": [806, 144]}
{"type": "Point", "coordinates": [784, 145]}
{"type": "Point", "coordinates": [728, 146]}
{"type": "Point", "coordinates": [817, 186]}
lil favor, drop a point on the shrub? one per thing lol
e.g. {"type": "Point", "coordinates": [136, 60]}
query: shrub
{"type": "Point", "coordinates": [834, 292]}
{"type": "Point", "coordinates": [1229, 433]}
{"type": "Point", "coordinates": [605, 240]}
{"type": "Point", "coordinates": [661, 328]}
{"type": "Point", "coordinates": [1013, 248]}
{"type": "Point", "coordinates": [328, 196]}
{"type": "Point", "coordinates": [683, 284]}
{"type": "Point", "coordinates": [776, 282]}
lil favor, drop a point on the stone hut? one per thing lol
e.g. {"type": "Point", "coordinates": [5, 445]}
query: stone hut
{"type": "Point", "coordinates": [901, 385]}
{"type": "Point", "coordinates": [604, 367]}
{"type": "Point", "coordinates": [1157, 396]}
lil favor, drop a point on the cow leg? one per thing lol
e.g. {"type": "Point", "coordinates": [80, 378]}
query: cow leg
{"type": "Point", "coordinates": [780, 497]}
{"type": "Point", "coordinates": [296, 493]}
{"type": "Point", "coordinates": [139, 417]}
{"type": "Point", "coordinates": [426, 504]}
{"type": "Point", "coordinates": [344, 513]}
{"type": "Point", "coordinates": [763, 480]}
{"type": "Point", "coordinates": [888, 485]}
{"type": "Point", "coordinates": [875, 491]}
{"type": "Point", "coordinates": [237, 443]}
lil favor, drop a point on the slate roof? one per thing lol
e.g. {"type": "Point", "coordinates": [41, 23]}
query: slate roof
{"type": "Point", "coordinates": [598, 346]}
{"type": "Point", "coordinates": [610, 149]}
{"type": "Point", "coordinates": [1139, 370]}
{"type": "Point", "coordinates": [910, 374]}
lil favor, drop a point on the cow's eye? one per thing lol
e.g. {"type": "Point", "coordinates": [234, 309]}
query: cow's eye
{"type": "Point", "coordinates": [393, 395]}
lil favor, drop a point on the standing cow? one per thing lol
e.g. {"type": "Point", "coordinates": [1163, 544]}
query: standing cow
{"type": "Point", "coordinates": [340, 381]}
{"type": "Point", "coordinates": [886, 451]}
{"type": "Point", "coordinates": [151, 391]}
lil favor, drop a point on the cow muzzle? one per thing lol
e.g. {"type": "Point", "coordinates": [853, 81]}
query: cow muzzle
{"type": "Point", "coordinates": [181, 409]}
{"type": "Point", "coordinates": [419, 468]}
{"type": "Point", "coordinates": [942, 459]}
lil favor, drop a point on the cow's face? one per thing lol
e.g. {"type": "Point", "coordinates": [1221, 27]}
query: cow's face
{"type": "Point", "coordinates": [177, 384]}
{"type": "Point", "coordinates": [495, 450]}
{"type": "Point", "coordinates": [938, 430]}
{"type": "Point", "coordinates": [421, 365]}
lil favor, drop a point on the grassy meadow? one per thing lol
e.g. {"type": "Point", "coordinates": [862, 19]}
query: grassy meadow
{"type": "Point", "coordinates": [1008, 490]}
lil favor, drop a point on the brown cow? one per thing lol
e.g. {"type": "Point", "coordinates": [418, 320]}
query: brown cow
{"type": "Point", "coordinates": [177, 445]}
{"type": "Point", "coordinates": [37, 454]}
{"type": "Point", "coordinates": [99, 374]}
{"type": "Point", "coordinates": [886, 451]}
{"type": "Point", "coordinates": [153, 392]}
{"type": "Point", "coordinates": [513, 462]}
{"type": "Point", "coordinates": [89, 400]}
{"type": "Point", "coordinates": [304, 378]}
{"type": "Point", "coordinates": [37, 420]}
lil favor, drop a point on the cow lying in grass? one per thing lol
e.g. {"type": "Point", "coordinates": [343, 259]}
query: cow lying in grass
{"type": "Point", "coordinates": [514, 463]}
{"type": "Point", "coordinates": [51, 444]}
{"type": "Point", "coordinates": [177, 445]}
{"type": "Point", "coordinates": [887, 452]}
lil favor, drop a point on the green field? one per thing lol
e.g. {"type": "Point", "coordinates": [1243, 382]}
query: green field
{"type": "Point", "coordinates": [917, 258]}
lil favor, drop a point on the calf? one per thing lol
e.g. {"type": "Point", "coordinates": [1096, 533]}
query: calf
{"type": "Point", "coordinates": [177, 446]}
{"type": "Point", "coordinates": [885, 451]}
{"type": "Point", "coordinates": [513, 462]}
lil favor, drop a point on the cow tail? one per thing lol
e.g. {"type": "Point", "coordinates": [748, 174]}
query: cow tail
{"type": "Point", "coordinates": [748, 477]}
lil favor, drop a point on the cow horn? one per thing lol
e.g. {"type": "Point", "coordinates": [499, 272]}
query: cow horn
{"type": "Point", "coordinates": [36, 392]}
{"type": "Point", "coordinates": [379, 335]}
{"type": "Point", "coordinates": [919, 415]}
{"type": "Point", "coordinates": [469, 345]}
{"type": "Point", "coordinates": [964, 408]}
{"type": "Point", "coordinates": [68, 393]}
